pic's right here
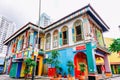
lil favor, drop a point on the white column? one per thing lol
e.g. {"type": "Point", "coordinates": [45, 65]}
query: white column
{"type": "Point", "coordinates": [51, 43]}
{"type": "Point", "coordinates": [70, 39]}
{"type": "Point", "coordinates": [59, 30]}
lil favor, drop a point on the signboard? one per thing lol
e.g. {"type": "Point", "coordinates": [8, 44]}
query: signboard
{"type": "Point", "coordinates": [81, 47]}
{"type": "Point", "coordinates": [19, 55]}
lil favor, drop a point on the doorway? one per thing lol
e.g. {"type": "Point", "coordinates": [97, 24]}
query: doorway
{"type": "Point", "coordinates": [80, 57]}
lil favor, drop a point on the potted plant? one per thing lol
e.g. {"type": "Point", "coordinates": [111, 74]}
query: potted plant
{"type": "Point", "coordinates": [70, 68]}
{"type": "Point", "coordinates": [54, 62]}
{"type": "Point", "coordinates": [29, 63]}
{"type": "Point", "coordinates": [82, 70]}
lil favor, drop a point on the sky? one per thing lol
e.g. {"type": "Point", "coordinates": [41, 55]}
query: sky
{"type": "Point", "coordinates": [24, 11]}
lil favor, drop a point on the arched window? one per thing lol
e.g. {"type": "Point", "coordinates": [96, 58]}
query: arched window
{"type": "Point", "coordinates": [22, 42]}
{"type": "Point", "coordinates": [48, 41]}
{"type": "Point", "coordinates": [78, 30]}
{"type": "Point", "coordinates": [55, 38]}
{"type": "Point", "coordinates": [65, 35]}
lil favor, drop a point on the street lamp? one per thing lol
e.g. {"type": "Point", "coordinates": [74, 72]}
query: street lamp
{"type": "Point", "coordinates": [37, 47]}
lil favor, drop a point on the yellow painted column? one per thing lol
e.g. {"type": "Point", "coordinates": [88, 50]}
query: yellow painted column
{"type": "Point", "coordinates": [40, 66]}
{"type": "Point", "coordinates": [22, 70]}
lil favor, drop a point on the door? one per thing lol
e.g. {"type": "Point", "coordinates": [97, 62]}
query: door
{"type": "Point", "coordinates": [80, 58]}
{"type": "Point", "coordinates": [13, 70]}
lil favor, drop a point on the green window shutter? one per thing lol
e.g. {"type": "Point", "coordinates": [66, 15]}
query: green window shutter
{"type": "Point", "coordinates": [60, 38]}
{"type": "Point", "coordinates": [73, 32]}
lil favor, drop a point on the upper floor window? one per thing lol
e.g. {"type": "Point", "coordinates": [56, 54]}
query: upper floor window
{"type": "Point", "coordinates": [78, 30]}
{"type": "Point", "coordinates": [65, 35]}
{"type": "Point", "coordinates": [55, 38]}
{"type": "Point", "coordinates": [48, 41]}
{"type": "Point", "coordinates": [22, 42]}
{"type": "Point", "coordinates": [99, 37]}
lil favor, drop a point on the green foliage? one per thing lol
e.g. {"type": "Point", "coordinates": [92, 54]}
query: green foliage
{"type": "Point", "coordinates": [115, 46]}
{"type": "Point", "coordinates": [119, 69]}
{"type": "Point", "coordinates": [29, 63]}
{"type": "Point", "coordinates": [53, 59]}
{"type": "Point", "coordinates": [70, 66]}
{"type": "Point", "coordinates": [82, 67]}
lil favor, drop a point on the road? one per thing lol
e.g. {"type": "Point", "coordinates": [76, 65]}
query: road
{"type": "Point", "coordinates": [6, 77]}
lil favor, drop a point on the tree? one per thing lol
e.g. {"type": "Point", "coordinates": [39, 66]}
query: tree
{"type": "Point", "coordinates": [53, 59]}
{"type": "Point", "coordinates": [29, 63]}
{"type": "Point", "coordinates": [70, 66]}
{"type": "Point", "coordinates": [115, 46]}
{"type": "Point", "coordinates": [82, 68]}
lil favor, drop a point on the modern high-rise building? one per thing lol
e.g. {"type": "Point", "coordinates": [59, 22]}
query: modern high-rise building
{"type": "Point", "coordinates": [6, 29]}
{"type": "Point", "coordinates": [44, 20]}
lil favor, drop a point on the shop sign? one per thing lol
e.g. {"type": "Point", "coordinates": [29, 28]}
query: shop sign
{"type": "Point", "coordinates": [19, 55]}
{"type": "Point", "coordinates": [81, 47]}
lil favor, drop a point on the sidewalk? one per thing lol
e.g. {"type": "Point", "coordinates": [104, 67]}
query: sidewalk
{"type": "Point", "coordinates": [113, 76]}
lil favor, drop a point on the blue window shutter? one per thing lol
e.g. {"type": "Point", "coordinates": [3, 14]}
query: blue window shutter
{"type": "Point", "coordinates": [73, 32]}
{"type": "Point", "coordinates": [60, 38]}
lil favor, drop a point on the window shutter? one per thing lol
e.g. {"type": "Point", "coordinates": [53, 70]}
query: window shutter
{"type": "Point", "coordinates": [60, 39]}
{"type": "Point", "coordinates": [73, 34]}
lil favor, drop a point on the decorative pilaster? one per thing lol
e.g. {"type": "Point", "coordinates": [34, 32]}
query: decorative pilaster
{"type": "Point", "coordinates": [86, 28]}
{"type": "Point", "coordinates": [107, 66]}
{"type": "Point", "coordinates": [90, 58]}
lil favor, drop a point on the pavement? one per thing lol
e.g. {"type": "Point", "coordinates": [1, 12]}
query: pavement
{"type": "Point", "coordinates": [6, 77]}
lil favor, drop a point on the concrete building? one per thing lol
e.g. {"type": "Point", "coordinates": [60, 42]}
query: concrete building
{"type": "Point", "coordinates": [6, 29]}
{"type": "Point", "coordinates": [44, 20]}
{"type": "Point", "coordinates": [78, 37]}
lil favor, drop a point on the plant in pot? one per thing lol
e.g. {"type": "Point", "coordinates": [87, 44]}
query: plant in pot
{"type": "Point", "coordinates": [54, 62]}
{"type": "Point", "coordinates": [70, 67]}
{"type": "Point", "coordinates": [29, 63]}
{"type": "Point", "coordinates": [82, 70]}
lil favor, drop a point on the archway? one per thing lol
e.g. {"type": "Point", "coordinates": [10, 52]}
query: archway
{"type": "Point", "coordinates": [80, 57]}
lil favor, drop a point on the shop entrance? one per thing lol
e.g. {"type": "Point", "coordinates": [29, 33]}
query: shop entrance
{"type": "Point", "coordinates": [80, 57]}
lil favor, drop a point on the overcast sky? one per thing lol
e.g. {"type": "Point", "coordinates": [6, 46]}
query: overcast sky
{"type": "Point", "coordinates": [24, 11]}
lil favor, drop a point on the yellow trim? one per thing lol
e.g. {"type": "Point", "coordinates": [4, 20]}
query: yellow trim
{"type": "Point", "coordinates": [40, 67]}
{"type": "Point", "coordinates": [22, 70]}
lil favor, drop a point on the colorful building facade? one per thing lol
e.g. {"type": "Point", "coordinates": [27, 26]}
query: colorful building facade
{"type": "Point", "coordinates": [78, 37]}
{"type": "Point", "coordinates": [114, 58]}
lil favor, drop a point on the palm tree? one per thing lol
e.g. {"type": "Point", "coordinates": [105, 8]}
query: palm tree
{"type": "Point", "coordinates": [115, 46]}
{"type": "Point", "coordinates": [29, 63]}
{"type": "Point", "coordinates": [53, 59]}
{"type": "Point", "coordinates": [70, 66]}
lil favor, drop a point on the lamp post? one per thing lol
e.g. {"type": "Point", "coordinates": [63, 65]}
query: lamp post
{"type": "Point", "coordinates": [36, 47]}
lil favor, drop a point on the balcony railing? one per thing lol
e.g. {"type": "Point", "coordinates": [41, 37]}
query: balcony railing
{"type": "Point", "coordinates": [65, 41]}
{"type": "Point", "coordinates": [79, 37]}
{"type": "Point", "coordinates": [47, 46]}
{"type": "Point", "coordinates": [55, 43]}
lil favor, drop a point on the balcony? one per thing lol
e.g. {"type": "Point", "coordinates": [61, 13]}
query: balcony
{"type": "Point", "coordinates": [79, 37]}
{"type": "Point", "coordinates": [65, 41]}
{"type": "Point", "coordinates": [47, 46]}
{"type": "Point", "coordinates": [55, 43]}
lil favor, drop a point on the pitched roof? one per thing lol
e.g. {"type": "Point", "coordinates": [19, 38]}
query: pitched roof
{"type": "Point", "coordinates": [86, 9]}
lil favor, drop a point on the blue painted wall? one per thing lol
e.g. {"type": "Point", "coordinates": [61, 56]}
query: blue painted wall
{"type": "Point", "coordinates": [66, 54]}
